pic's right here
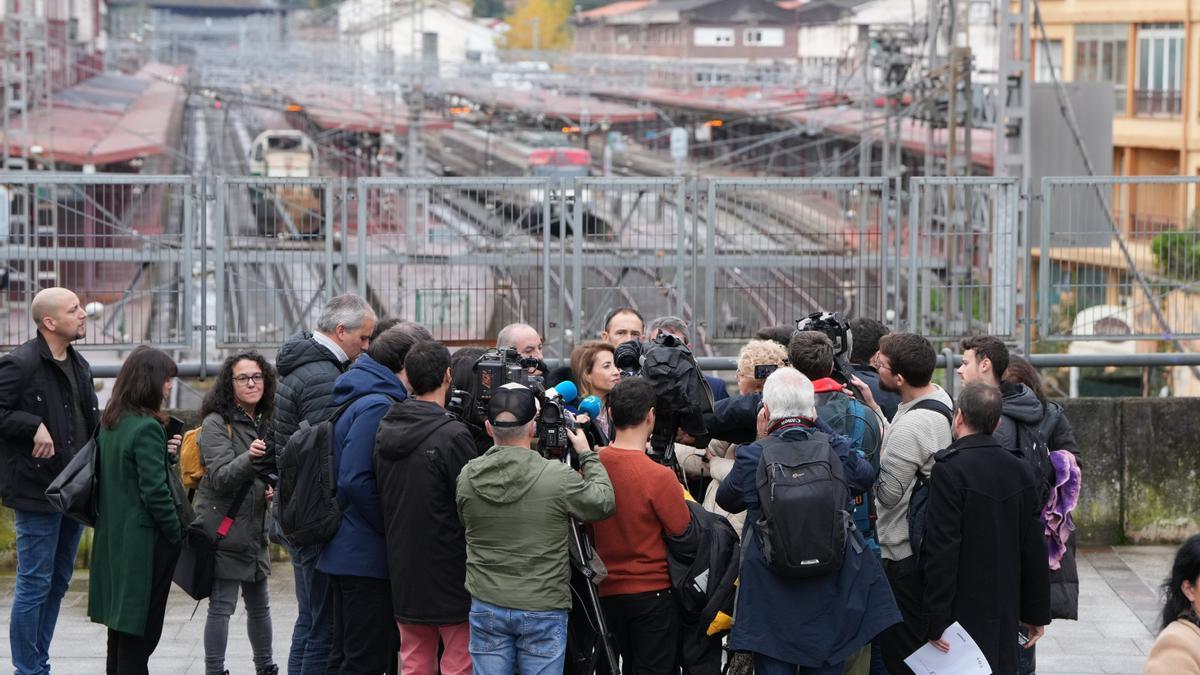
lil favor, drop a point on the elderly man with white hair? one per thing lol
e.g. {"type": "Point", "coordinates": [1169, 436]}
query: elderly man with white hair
{"type": "Point", "coordinates": [809, 624]}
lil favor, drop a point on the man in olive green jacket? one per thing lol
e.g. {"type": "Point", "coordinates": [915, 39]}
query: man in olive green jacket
{"type": "Point", "coordinates": [516, 508]}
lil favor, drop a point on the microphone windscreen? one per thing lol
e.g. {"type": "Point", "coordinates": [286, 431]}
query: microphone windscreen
{"type": "Point", "coordinates": [567, 391]}
{"type": "Point", "coordinates": [591, 406]}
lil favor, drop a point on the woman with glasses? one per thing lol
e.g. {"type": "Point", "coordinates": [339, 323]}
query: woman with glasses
{"type": "Point", "coordinates": [236, 414]}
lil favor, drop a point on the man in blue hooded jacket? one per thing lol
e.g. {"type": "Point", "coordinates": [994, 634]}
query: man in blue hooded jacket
{"type": "Point", "coordinates": [814, 624]}
{"type": "Point", "coordinates": [365, 639]}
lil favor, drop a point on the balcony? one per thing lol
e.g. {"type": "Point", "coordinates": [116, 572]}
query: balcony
{"type": "Point", "coordinates": [1158, 103]}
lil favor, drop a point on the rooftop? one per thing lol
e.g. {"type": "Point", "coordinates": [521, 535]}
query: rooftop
{"type": "Point", "coordinates": [107, 119]}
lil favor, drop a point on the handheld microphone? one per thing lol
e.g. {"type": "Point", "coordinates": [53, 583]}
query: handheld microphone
{"type": "Point", "coordinates": [566, 391]}
{"type": "Point", "coordinates": [591, 406]}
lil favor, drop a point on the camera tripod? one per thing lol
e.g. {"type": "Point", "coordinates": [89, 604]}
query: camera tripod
{"type": "Point", "coordinates": [590, 648]}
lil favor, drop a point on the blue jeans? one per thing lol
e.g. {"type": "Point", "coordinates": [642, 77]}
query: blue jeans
{"type": "Point", "coordinates": [312, 637]}
{"type": "Point", "coordinates": [46, 547]}
{"type": "Point", "coordinates": [765, 665]}
{"type": "Point", "coordinates": [503, 639]}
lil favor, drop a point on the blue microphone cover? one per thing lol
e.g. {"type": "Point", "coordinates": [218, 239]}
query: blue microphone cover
{"type": "Point", "coordinates": [591, 406]}
{"type": "Point", "coordinates": [567, 390]}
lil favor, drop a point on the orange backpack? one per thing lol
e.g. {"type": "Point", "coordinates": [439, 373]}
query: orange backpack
{"type": "Point", "coordinates": [191, 465]}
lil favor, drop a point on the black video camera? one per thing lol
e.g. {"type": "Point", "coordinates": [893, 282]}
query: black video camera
{"type": "Point", "coordinates": [553, 423]}
{"type": "Point", "coordinates": [494, 369]}
{"type": "Point", "coordinates": [835, 326]}
{"type": "Point", "coordinates": [682, 396]}
{"type": "Point", "coordinates": [498, 367]}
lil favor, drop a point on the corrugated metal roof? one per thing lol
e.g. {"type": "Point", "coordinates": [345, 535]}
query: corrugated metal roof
{"type": "Point", "coordinates": [108, 119]}
{"type": "Point", "coordinates": [547, 104]}
{"type": "Point", "coordinates": [336, 107]}
{"type": "Point", "coordinates": [845, 120]}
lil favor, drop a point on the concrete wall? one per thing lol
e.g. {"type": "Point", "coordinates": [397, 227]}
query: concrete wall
{"type": "Point", "coordinates": [1139, 460]}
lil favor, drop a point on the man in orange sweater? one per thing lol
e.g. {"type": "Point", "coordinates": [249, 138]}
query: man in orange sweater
{"type": "Point", "coordinates": [636, 595]}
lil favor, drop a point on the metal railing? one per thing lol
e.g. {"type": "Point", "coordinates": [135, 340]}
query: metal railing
{"type": "Point", "coordinates": [198, 264]}
{"type": "Point", "coordinates": [1158, 102]}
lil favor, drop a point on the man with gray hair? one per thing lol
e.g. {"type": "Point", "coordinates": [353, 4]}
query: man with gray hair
{"type": "Point", "coordinates": [309, 364]}
{"type": "Point", "coordinates": [521, 337]}
{"type": "Point", "coordinates": [809, 624]}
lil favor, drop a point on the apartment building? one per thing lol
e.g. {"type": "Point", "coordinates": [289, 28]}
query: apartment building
{"type": "Point", "coordinates": [1150, 51]}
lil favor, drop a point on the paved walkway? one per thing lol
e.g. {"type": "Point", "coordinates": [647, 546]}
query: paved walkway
{"type": "Point", "coordinates": [1117, 604]}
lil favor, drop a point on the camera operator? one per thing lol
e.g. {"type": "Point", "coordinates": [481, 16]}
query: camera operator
{"type": "Point", "coordinates": [867, 333]}
{"type": "Point", "coordinates": [636, 595]}
{"type": "Point", "coordinates": [516, 508]}
{"type": "Point", "coordinates": [459, 402]}
{"type": "Point", "coordinates": [673, 325]}
{"type": "Point", "coordinates": [523, 338]}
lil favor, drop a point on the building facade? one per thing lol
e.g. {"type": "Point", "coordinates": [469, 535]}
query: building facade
{"type": "Point", "coordinates": [718, 31]}
{"type": "Point", "coordinates": [1149, 51]}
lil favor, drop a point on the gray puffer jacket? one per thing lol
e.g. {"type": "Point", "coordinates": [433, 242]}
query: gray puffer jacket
{"type": "Point", "coordinates": [224, 449]}
{"type": "Point", "coordinates": [307, 372]}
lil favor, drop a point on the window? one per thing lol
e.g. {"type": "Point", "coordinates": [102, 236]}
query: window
{"type": "Point", "coordinates": [763, 37]}
{"type": "Point", "coordinates": [1160, 70]}
{"type": "Point", "coordinates": [713, 37]}
{"type": "Point", "coordinates": [1047, 59]}
{"type": "Point", "coordinates": [1101, 56]}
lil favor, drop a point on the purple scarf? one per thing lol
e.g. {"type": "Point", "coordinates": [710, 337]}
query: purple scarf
{"type": "Point", "coordinates": [1063, 500]}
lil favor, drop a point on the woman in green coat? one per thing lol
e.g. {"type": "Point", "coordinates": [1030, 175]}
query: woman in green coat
{"type": "Point", "coordinates": [138, 532]}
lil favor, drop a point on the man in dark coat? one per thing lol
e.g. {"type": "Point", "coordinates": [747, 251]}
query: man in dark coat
{"type": "Point", "coordinates": [419, 452]}
{"type": "Point", "coordinates": [816, 623]}
{"type": "Point", "coordinates": [48, 410]}
{"type": "Point", "coordinates": [308, 365]}
{"type": "Point", "coordinates": [355, 560]}
{"type": "Point", "coordinates": [984, 555]}
{"type": "Point", "coordinates": [985, 360]}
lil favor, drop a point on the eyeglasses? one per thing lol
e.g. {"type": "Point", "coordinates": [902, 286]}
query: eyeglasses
{"type": "Point", "coordinates": [246, 379]}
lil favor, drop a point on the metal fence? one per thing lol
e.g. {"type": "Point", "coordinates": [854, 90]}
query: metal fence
{"type": "Point", "coordinates": [125, 242]}
{"type": "Point", "coordinates": [203, 263]}
{"type": "Point", "coordinates": [1120, 259]}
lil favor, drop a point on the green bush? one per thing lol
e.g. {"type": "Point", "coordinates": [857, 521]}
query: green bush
{"type": "Point", "coordinates": [1177, 254]}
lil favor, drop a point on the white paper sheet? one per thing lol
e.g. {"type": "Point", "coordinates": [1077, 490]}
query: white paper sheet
{"type": "Point", "coordinates": [964, 657]}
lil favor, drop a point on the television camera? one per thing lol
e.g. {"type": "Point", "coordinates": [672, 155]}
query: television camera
{"type": "Point", "coordinates": [682, 396]}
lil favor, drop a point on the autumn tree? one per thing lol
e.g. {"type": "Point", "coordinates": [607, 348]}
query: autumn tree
{"type": "Point", "coordinates": [540, 24]}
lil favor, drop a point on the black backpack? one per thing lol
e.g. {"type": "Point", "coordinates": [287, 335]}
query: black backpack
{"type": "Point", "coordinates": [309, 512]}
{"type": "Point", "coordinates": [919, 499]}
{"type": "Point", "coordinates": [803, 496]}
{"type": "Point", "coordinates": [1033, 443]}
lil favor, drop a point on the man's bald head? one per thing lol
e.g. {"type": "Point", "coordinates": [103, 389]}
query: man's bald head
{"type": "Point", "coordinates": [57, 311]}
{"type": "Point", "coordinates": [521, 337]}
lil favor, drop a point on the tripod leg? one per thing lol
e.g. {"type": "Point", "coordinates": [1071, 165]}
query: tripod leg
{"type": "Point", "coordinates": [583, 549]}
